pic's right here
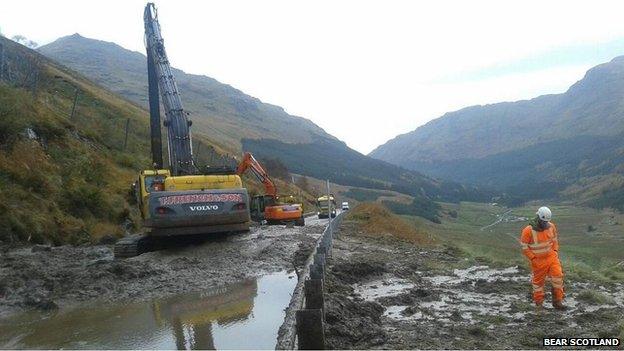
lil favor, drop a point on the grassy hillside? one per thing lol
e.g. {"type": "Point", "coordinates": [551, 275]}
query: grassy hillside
{"type": "Point", "coordinates": [223, 114]}
{"type": "Point", "coordinates": [554, 145]}
{"type": "Point", "coordinates": [590, 239]}
{"type": "Point", "coordinates": [548, 170]}
{"type": "Point", "coordinates": [329, 159]}
{"type": "Point", "coordinates": [66, 179]}
{"type": "Point", "coordinates": [61, 179]}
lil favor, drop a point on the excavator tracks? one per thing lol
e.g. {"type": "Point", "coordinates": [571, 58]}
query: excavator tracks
{"type": "Point", "coordinates": [133, 245]}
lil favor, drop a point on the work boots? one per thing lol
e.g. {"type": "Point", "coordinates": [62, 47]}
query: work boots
{"type": "Point", "coordinates": [558, 305]}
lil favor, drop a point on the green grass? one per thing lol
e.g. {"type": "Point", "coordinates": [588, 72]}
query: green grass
{"type": "Point", "coordinates": [595, 297]}
{"type": "Point", "coordinates": [583, 254]}
{"type": "Point", "coordinates": [69, 184]}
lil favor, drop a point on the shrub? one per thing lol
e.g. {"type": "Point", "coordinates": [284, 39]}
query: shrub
{"type": "Point", "coordinates": [275, 168]}
{"type": "Point", "coordinates": [12, 122]}
{"type": "Point", "coordinates": [27, 165]}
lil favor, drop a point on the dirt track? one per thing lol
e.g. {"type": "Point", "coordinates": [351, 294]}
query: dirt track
{"type": "Point", "coordinates": [64, 276]}
{"type": "Point", "coordinates": [382, 293]}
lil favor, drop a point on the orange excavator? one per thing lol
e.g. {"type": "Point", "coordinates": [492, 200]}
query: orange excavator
{"type": "Point", "coordinates": [268, 207]}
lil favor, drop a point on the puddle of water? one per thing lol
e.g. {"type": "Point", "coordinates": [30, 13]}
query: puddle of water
{"type": "Point", "coordinates": [245, 315]}
{"type": "Point", "coordinates": [381, 288]}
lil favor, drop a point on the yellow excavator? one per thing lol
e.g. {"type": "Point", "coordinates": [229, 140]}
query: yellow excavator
{"type": "Point", "coordinates": [182, 199]}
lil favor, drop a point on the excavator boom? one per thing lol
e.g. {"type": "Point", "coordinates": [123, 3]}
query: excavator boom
{"type": "Point", "coordinates": [159, 71]}
{"type": "Point", "coordinates": [250, 163]}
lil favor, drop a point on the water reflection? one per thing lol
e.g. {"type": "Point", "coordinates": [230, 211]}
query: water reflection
{"type": "Point", "coordinates": [237, 316]}
{"type": "Point", "coordinates": [191, 316]}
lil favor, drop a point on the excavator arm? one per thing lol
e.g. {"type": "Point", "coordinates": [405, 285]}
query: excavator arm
{"type": "Point", "coordinates": [250, 163]}
{"type": "Point", "coordinates": [161, 80]}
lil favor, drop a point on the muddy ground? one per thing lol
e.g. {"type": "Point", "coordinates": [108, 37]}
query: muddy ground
{"type": "Point", "coordinates": [383, 293]}
{"type": "Point", "coordinates": [48, 278]}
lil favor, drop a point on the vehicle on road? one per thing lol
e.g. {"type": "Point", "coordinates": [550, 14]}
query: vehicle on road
{"type": "Point", "coordinates": [269, 207]}
{"type": "Point", "coordinates": [345, 206]}
{"type": "Point", "coordinates": [326, 205]}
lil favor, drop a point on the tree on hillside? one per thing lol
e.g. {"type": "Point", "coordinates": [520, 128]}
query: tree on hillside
{"type": "Point", "coordinates": [25, 41]}
{"type": "Point", "coordinates": [302, 182]}
{"type": "Point", "coordinates": [275, 168]}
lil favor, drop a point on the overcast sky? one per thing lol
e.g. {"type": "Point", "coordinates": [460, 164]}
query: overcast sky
{"type": "Point", "coordinates": [364, 71]}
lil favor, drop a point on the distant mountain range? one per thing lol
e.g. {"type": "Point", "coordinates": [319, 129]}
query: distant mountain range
{"type": "Point", "coordinates": [566, 145]}
{"type": "Point", "coordinates": [234, 121]}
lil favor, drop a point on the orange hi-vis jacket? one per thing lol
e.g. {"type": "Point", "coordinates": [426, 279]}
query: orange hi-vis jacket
{"type": "Point", "coordinates": [539, 244]}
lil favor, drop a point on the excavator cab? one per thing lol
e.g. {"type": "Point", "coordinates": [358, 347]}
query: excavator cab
{"type": "Point", "coordinates": [149, 181]}
{"type": "Point", "coordinates": [258, 205]}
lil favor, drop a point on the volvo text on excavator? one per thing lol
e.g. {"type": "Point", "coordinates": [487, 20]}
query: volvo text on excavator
{"type": "Point", "coordinates": [181, 199]}
{"type": "Point", "coordinates": [268, 207]}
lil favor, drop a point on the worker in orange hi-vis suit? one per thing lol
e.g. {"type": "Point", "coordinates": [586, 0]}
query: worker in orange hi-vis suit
{"type": "Point", "coordinates": [539, 243]}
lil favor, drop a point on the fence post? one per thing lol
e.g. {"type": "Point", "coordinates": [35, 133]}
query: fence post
{"type": "Point", "coordinates": [317, 271]}
{"type": "Point", "coordinates": [310, 317]}
{"type": "Point", "coordinates": [313, 289]}
{"type": "Point", "coordinates": [322, 249]}
{"type": "Point", "coordinates": [1, 61]}
{"type": "Point", "coordinates": [310, 329]}
{"type": "Point", "coordinates": [126, 137]}
{"type": "Point", "coordinates": [71, 116]}
{"type": "Point", "coordinates": [319, 259]}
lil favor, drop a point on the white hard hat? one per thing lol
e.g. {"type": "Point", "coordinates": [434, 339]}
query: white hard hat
{"type": "Point", "coordinates": [544, 214]}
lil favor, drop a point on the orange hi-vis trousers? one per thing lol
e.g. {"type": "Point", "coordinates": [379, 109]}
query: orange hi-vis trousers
{"type": "Point", "coordinates": [542, 249]}
{"type": "Point", "coordinates": [543, 267]}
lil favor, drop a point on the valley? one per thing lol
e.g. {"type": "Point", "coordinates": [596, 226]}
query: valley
{"type": "Point", "coordinates": [224, 244]}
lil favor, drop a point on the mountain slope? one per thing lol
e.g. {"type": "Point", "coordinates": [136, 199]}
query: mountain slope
{"type": "Point", "coordinates": [65, 178]}
{"type": "Point", "coordinates": [592, 106]}
{"type": "Point", "coordinates": [331, 159]}
{"type": "Point", "coordinates": [235, 121]}
{"type": "Point", "coordinates": [223, 114]}
{"type": "Point", "coordinates": [62, 179]}
{"type": "Point", "coordinates": [537, 148]}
